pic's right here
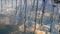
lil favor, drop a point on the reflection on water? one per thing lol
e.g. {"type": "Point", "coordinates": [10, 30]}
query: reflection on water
{"type": "Point", "coordinates": [12, 18]}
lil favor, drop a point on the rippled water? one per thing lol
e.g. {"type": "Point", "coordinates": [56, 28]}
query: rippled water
{"type": "Point", "coordinates": [14, 23]}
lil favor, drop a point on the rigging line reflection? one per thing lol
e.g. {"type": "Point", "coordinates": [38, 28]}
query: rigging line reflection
{"type": "Point", "coordinates": [25, 9]}
{"type": "Point", "coordinates": [35, 16]}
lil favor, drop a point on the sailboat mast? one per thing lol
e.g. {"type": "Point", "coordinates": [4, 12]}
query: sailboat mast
{"type": "Point", "coordinates": [51, 17]}
{"type": "Point", "coordinates": [20, 7]}
{"type": "Point", "coordinates": [25, 5]}
{"type": "Point", "coordinates": [33, 5]}
{"type": "Point", "coordinates": [1, 5]}
{"type": "Point", "coordinates": [16, 8]}
{"type": "Point", "coordinates": [44, 4]}
{"type": "Point", "coordinates": [12, 4]}
{"type": "Point", "coordinates": [35, 16]}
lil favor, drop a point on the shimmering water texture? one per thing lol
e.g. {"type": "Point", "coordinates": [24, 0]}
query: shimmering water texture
{"type": "Point", "coordinates": [29, 17]}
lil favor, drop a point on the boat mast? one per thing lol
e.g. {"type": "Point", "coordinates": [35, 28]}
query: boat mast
{"type": "Point", "coordinates": [33, 5]}
{"type": "Point", "coordinates": [52, 18]}
{"type": "Point", "coordinates": [20, 7]}
{"type": "Point", "coordinates": [25, 9]}
{"type": "Point", "coordinates": [1, 5]}
{"type": "Point", "coordinates": [44, 4]}
{"type": "Point", "coordinates": [16, 8]}
{"type": "Point", "coordinates": [35, 16]}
